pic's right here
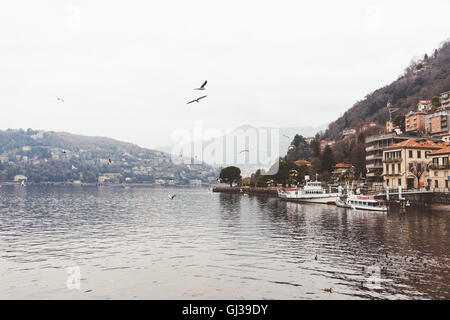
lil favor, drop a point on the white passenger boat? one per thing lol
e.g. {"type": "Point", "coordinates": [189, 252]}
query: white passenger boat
{"type": "Point", "coordinates": [311, 192]}
{"type": "Point", "coordinates": [363, 202]}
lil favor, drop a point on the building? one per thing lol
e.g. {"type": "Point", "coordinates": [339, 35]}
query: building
{"type": "Point", "coordinates": [436, 123]}
{"type": "Point", "coordinates": [424, 106]}
{"type": "Point", "coordinates": [20, 178]}
{"type": "Point", "coordinates": [325, 143]}
{"type": "Point", "coordinates": [402, 161]}
{"type": "Point", "coordinates": [109, 177]}
{"type": "Point", "coordinates": [348, 132]}
{"type": "Point", "coordinates": [440, 169]}
{"type": "Point", "coordinates": [302, 162]}
{"type": "Point", "coordinates": [341, 168]}
{"type": "Point", "coordinates": [445, 99]}
{"type": "Point", "coordinates": [415, 122]}
{"type": "Point", "coordinates": [309, 140]}
{"type": "Point", "coordinates": [446, 137]}
{"type": "Point", "coordinates": [374, 155]}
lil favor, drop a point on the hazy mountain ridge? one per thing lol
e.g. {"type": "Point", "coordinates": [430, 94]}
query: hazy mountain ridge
{"type": "Point", "coordinates": [422, 80]}
{"type": "Point", "coordinates": [60, 156]}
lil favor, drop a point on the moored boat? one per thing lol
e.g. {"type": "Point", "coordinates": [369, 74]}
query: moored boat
{"type": "Point", "coordinates": [363, 202]}
{"type": "Point", "coordinates": [311, 192]}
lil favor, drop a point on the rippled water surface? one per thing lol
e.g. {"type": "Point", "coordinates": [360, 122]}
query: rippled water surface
{"type": "Point", "coordinates": [138, 244]}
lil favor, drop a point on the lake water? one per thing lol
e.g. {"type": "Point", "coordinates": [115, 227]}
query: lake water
{"type": "Point", "coordinates": [138, 244]}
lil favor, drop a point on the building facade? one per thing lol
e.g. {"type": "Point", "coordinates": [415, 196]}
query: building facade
{"type": "Point", "coordinates": [415, 122]}
{"type": "Point", "coordinates": [440, 170]}
{"type": "Point", "coordinates": [406, 163]}
{"type": "Point", "coordinates": [445, 99]}
{"type": "Point", "coordinates": [374, 156]}
{"type": "Point", "coordinates": [437, 123]}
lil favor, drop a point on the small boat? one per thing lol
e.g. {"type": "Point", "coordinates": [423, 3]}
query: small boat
{"type": "Point", "coordinates": [311, 192]}
{"type": "Point", "coordinates": [342, 203]}
{"type": "Point", "coordinates": [363, 202]}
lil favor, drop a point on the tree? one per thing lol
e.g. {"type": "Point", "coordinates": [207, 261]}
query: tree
{"type": "Point", "coordinates": [289, 173]}
{"type": "Point", "coordinates": [436, 101]}
{"type": "Point", "coordinates": [230, 175]}
{"type": "Point", "coordinates": [399, 121]}
{"type": "Point", "coordinates": [326, 160]}
{"type": "Point", "coordinates": [316, 147]}
{"type": "Point", "coordinates": [418, 168]}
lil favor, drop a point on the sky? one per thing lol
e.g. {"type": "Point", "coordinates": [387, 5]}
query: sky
{"type": "Point", "coordinates": [126, 69]}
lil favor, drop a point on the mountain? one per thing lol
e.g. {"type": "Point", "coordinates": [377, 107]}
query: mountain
{"type": "Point", "coordinates": [421, 80]}
{"type": "Point", "coordinates": [260, 154]}
{"type": "Point", "coordinates": [46, 156]}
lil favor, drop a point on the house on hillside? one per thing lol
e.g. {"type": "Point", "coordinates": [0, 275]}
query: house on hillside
{"type": "Point", "coordinates": [445, 99]}
{"type": "Point", "coordinates": [341, 168]}
{"type": "Point", "coordinates": [415, 122]}
{"type": "Point", "coordinates": [348, 132]}
{"type": "Point", "coordinates": [437, 123]}
{"type": "Point", "coordinates": [302, 162]}
{"type": "Point", "coordinates": [424, 106]}
{"type": "Point", "coordinates": [20, 178]}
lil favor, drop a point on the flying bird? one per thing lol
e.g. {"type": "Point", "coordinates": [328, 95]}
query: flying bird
{"type": "Point", "coordinates": [202, 87]}
{"type": "Point", "coordinates": [60, 99]}
{"type": "Point", "coordinates": [74, 168]}
{"type": "Point", "coordinates": [171, 196]}
{"type": "Point", "coordinates": [244, 151]}
{"type": "Point", "coordinates": [110, 161]}
{"type": "Point", "coordinates": [64, 151]}
{"type": "Point", "coordinates": [286, 136]}
{"type": "Point", "coordinates": [197, 100]}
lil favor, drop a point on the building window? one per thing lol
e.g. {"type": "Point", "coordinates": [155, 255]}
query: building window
{"type": "Point", "coordinates": [445, 161]}
{"type": "Point", "coordinates": [399, 182]}
{"type": "Point", "coordinates": [436, 183]}
{"type": "Point", "coordinates": [419, 155]}
{"type": "Point", "coordinates": [387, 182]}
{"type": "Point", "coordinates": [446, 184]}
{"type": "Point", "coordinates": [399, 167]}
{"type": "Point", "coordinates": [410, 154]}
{"type": "Point", "coordinates": [393, 168]}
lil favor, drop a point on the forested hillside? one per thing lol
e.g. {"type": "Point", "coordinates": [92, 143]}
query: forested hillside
{"type": "Point", "coordinates": [423, 79]}
{"type": "Point", "coordinates": [58, 156]}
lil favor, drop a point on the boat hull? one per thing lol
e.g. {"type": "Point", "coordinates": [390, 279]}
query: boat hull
{"type": "Point", "coordinates": [323, 200]}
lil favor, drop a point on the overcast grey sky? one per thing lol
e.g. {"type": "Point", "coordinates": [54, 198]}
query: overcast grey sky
{"type": "Point", "coordinates": [127, 68]}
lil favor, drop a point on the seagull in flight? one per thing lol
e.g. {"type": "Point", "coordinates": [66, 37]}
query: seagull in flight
{"type": "Point", "coordinates": [110, 161]}
{"type": "Point", "coordinates": [286, 136]}
{"type": "Point", "coordinates": [60, 99]}
{"type": "Point", "coordinates": [171, 196]}
{"type": "Point", "coordinates": [244, 151]}
{"type": "Point", "coordinates": [64, 151]}
{"type": "Point", "coordinates": [202, 87]}
{"type": "Point", "coordinates": [196, 100]}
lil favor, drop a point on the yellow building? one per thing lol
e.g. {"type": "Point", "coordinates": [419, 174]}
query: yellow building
{"type": "Point", "coordinates": [440, 169]}
{"type": "Point", "coordinates": [404, 161]}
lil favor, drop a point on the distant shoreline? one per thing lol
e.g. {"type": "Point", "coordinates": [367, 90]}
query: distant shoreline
{"type": "Point", "coordinates": [115, 185]}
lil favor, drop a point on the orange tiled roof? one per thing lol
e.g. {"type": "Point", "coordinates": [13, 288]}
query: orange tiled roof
{"type": "Point", "coordinates": [302, 162]}
{"type": "Point", "coordinates": [343, 165]}
{"type": "Point", "coordinates": [445, 150]}
{"type": "Point", "coordinates": [411, 143]}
